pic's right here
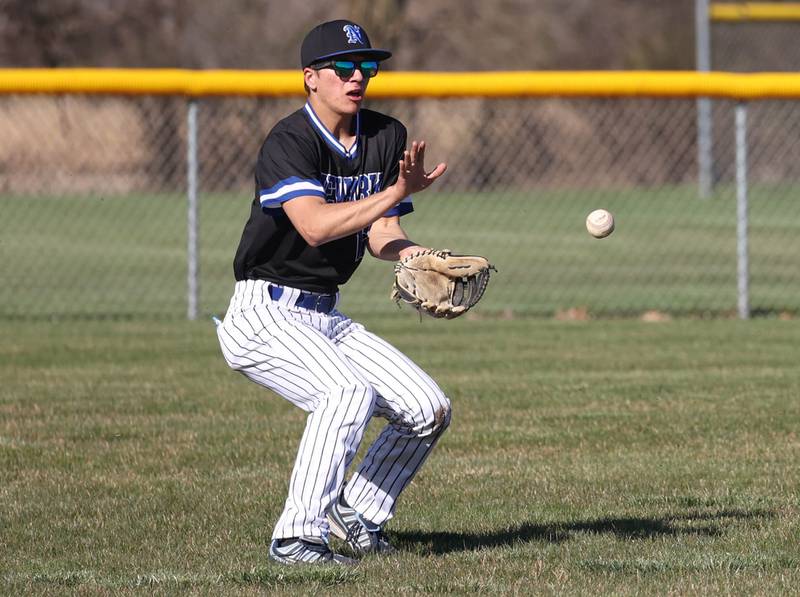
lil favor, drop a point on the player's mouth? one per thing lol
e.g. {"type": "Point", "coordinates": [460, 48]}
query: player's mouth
{"type": "Point", "coordinates": [356, 95]}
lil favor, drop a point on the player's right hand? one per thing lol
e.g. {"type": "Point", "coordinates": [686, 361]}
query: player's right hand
{"type": "Point", "coordinates": [413, 178]}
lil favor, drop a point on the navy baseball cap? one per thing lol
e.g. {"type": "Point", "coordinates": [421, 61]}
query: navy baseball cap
{"type": "Point", "coordinates": [337, 38]}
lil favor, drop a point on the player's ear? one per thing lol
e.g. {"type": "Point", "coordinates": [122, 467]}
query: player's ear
{"type": "Point", "coordinates": [310, 79]}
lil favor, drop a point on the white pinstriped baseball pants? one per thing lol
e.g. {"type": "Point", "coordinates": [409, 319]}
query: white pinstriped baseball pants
{"type": "Point", "coordinates": [342, 375]}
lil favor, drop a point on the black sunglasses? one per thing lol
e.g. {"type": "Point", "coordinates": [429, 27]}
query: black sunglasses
{"type": "Point", "coordinates": [345, 68]}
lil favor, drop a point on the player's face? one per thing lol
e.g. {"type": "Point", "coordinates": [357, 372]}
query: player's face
{"type": "Point", "coordinates": [342, 84]}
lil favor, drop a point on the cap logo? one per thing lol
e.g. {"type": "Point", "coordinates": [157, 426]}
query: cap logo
{"type": "Point", "coordinates": [354, 35]}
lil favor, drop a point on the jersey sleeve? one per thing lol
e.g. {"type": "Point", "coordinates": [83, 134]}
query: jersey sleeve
{"type": "Point", "coordinates": [393, 170]}
{"type": "Point", "coordinates": [286, 169]}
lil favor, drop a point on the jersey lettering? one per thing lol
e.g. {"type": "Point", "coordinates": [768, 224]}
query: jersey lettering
{"type": "Point", "coordinates": [339, 189]}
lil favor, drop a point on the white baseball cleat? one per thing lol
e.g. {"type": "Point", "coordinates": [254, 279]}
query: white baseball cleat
{"type": "Point", "coordinates": [362, 536]}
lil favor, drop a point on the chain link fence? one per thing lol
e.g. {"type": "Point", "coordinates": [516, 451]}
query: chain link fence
{"type": "Point", "coordinates": [94, 208]}
{"type": "Point", "coordinates": [743, 37]}
{"type": "Point", "coordinates": [752, 43]}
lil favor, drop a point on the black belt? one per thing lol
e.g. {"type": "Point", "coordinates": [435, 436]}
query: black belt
{"type": "Point", "coordinates": [324, 303]}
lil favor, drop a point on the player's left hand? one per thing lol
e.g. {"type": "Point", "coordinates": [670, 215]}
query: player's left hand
{"type": "Point", "coordinates": [412, 177]}
{"type": "Point", "coordinates": [439, 283]}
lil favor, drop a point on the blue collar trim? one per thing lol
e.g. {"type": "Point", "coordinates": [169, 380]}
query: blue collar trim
{"type": "Point", "coordinates": [332, 141]}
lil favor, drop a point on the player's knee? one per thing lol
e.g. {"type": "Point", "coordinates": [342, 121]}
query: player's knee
{"type": "Point", "coordinates": [442, 416]}
{"type": "Point", "coordinates": [438, 419]}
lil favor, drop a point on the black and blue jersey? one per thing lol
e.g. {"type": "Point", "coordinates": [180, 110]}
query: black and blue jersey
{"type": "Point", "coordinates": [300, 157]}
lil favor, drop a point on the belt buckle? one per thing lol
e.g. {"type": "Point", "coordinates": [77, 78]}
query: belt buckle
{"type": "Point", "coordinates": [309, 300]}
{"type": "Point", "coordinates": [315, 301]}
{"type": "Point", "coordinates": [322, 303]}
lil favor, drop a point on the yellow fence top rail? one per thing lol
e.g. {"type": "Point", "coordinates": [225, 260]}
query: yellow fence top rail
{"type": "Point", "coordinates": [754, 11]}
{"type": "Point", "coordinates": [195, 83]}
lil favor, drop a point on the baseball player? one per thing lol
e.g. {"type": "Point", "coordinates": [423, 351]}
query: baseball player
{"type": "Point", "coordinates": [332, 181]}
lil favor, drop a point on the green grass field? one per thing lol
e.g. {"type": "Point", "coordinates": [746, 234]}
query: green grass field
{"type": "Point", "coordinates": [599, 457]}
{"type": "Point", "coordinates": [126, 256]}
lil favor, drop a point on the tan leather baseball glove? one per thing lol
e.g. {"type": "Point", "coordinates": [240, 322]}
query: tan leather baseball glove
{"type": "Point", "coordinates": [439, 283]}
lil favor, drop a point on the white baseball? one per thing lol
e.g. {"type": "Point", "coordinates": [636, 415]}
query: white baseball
{"type": "Point", "coordinates": [600, 223]}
